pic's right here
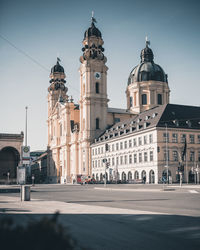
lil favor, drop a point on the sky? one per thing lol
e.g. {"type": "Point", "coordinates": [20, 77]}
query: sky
{"type": "Point", "coordinates": [34, 32]}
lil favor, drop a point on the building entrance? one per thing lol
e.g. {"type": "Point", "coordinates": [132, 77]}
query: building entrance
{"type": "Point", "coordinates": [9, 159]}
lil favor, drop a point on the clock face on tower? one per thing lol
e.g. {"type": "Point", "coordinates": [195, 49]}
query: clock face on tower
{"type": "Point", "coordinates": [97, 75]}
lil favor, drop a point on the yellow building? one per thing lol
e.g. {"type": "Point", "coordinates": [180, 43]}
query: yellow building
{"type": "Point", "coordinates": [72, 128]}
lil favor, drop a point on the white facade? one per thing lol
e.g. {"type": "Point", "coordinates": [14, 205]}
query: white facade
{"type": "Point", "coordinates": [131, 156]}
{"type": "Point", "coordinates": [134, 154]}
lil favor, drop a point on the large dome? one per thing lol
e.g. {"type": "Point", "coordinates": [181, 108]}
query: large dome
{"type": "Point", "coordinates": [92, 31]}
{"type": "Point", "coordinates": [57, 68]}
{"type": "Point", "coordinates": [147, 70]}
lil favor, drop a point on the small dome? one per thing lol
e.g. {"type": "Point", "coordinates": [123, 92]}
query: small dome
{"type": "Point", "coordinates": [57, 68]}
{"type": "Point", "coordinates": [92, 31]}
{"type": "Point", "coordinates": [147, 70]}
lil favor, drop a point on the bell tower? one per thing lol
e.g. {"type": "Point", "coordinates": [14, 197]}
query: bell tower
{"type": "Point", "coordinates": [93, 96]}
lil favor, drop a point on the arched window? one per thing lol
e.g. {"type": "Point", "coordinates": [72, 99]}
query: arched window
{"type": "Point", "coordinates": [97, 123]}
{"type": "Point", "coordinates": [159, 99]}
{"type": "Point", "coordinates": [97, 88]}
{"type": "Point", "coordinates": [131, 101]}
{"type": "Point", "coordinates": [136, 175]}
{"type": "Point", "coordinates": [144, 99]}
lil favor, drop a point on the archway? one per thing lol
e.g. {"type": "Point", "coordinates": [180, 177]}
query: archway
{"type": "Point", "coordinates": [164, 175]}
{"type": "Point", "coordinates": [9, 159]}
{"type": "Point", "coordinates": [97, 177]}
{"type": "Point", "coordinates": [129, 175]}
{"type": "Point", "coordinates": [101, 177]}
{"type": "Point", "coordinates": [123, 176]}
{"type": "Point", "coordinates": [143, 176]}
{"type": "Point", "coordinates": [151, 177]}
{"type": "Point", "coordinates": [136, 175]}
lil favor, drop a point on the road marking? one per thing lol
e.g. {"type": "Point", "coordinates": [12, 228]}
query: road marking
{"type": "Point", "coordinates": [193, 192]}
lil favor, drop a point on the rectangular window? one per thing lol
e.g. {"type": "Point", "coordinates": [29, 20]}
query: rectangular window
{"type": "Point", "coordinates": [113, 161]}
{"type": "Point", "coordinates": [117, 160]}
{"type": "Point", "coordinates": [145, 156]}
{"type": "Point", "coordinates": [117, 120]}
{"type": "Point", "coordinates": [60, 129]}
{"type": "Point", "coordinates": [98, 163]}
{"type": "Point", "coordinates": [151, 138]}
{"type": "Point", "coordinates": [198, 139]}
{"type": "Point", "coordinates": [121, 160]}
{"type": "Point", "coordinates": [140, 157]}
{"type": "Point", "coordinates": [191, 155]}
{"type": "Point", "coordinates": [135, 158]}
{"type": "Point", "coordinates": [117, 146]}
{"type": "Point", "coordinates": [93, 164]}
{"type": "Point", "coordinates": [102, 150]}
{"type": "Point", "coordinates": [130, 159]}
{"type": "Point", "coordinates": [113, 147]}
{"type": "Point", "coordinates": [199, 156]}
{"type": "Point", "coordinates": [97, 123]}
{"type": "Point", "coordinates": [175, 155]}
{"type": "Point", "coordinates": [92, 151]}
{"type": "Point", "coordinates": [121, 145]}
{"type": "Point", "coordinates": [175, 138]}
{"type": "Point", "coordinates": [166, 155]}
{"type": "Point", "coordinates": [151, 155]}
{"type": "Point", "coordinates": [134, 142]}
{"type": "Point", "coordinates": [145, 139]}
{"type": "Point", "coordinates": [140, 141]}
{"type": "Point", "coordinates": [125, 159]}
{"type": "Point", "coordinates": [130, 143]}
{"type": "Point", "coordinates": [192, 139]}
{"type": "Point", "coordinates": [125, 144]}
{"type": "Point", "coordinates": [98, 150]}
{"type": "Point", "coordinates": [166, 137]}
{"type": "Point", "coordinates": [183, 137]}
{"type": "Point", "coordinates": [95, 151]}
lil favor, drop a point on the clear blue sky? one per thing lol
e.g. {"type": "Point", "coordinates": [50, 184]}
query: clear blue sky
{"type": "Point", "coordinates": [44, 29]}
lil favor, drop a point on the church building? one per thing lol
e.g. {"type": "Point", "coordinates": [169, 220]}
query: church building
{"type": "Point", "coordinates": [78, 132]}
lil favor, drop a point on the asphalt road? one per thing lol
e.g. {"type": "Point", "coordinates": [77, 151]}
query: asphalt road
{"type": "Point", "coordinates": [139, 197]}
{"type": "Point", "coordinates": [175, 223]}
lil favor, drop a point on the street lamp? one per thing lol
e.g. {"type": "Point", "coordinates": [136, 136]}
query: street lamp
{"type": "Point", "coordinates": [167, 153]}
{"type": "Point", "coordinates": [8, 175]}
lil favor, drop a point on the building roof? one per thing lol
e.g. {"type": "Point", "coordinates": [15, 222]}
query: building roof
{"type": "Point", "coordinates": [92, 30]}
{"type": "Point", "coordinates": [7, 136]}
{"type": "Point", "coordinates": [57, 68]}
{"type": "Point", "coordinates": [147, 70]}
{"type": "Point", "coordinates": [119, 111]}
{"type": "Point", "coordinates": [170, 115]}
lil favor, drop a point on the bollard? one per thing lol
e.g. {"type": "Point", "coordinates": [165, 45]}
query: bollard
{"type": "Point", "coordinates": [25, 193]}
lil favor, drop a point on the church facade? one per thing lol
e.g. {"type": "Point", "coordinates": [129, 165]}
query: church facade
{"type": "Point", "coordinates": [74, 130]}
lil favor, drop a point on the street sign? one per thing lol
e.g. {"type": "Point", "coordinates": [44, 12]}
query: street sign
{"type": "Point", "coordinates": [25, 152]}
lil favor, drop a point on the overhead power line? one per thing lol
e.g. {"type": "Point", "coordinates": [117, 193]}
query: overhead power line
{"type": "Point", "coordinates": [30, 58]}
{"type": "Point", "coordinates": [24, 53]}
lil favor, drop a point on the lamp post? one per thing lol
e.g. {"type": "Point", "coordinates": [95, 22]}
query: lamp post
{"type": "Point", "coordinates": [167, 153]}
{"type": "Point", "coordinates": [8, 175]}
